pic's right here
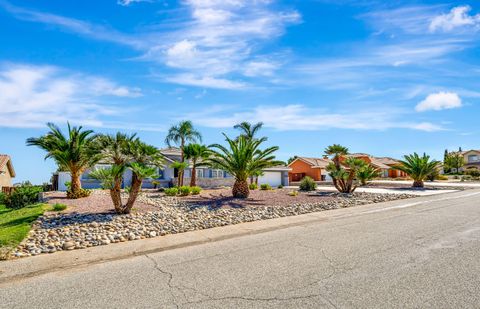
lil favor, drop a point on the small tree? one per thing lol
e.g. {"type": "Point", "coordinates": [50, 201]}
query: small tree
{"type": "Point", "coordinates": [180, 167]}
{"type": "Point", "coordinates": [455, 160]}
{"type": "Point", "coordinates": [418, 168]}
{"type": "Point", "coordinates": [344, 179]}
{"type": "Point", "coordinates": [367, 173]}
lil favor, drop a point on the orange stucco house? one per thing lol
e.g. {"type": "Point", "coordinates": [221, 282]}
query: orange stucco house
{"type": "Point", "coordinates": [312, 167]}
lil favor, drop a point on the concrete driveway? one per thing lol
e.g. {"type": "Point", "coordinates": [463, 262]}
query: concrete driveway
{"type": "Point", "coordinates": [421, 253]}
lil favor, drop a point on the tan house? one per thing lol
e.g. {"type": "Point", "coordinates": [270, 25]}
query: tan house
{"type": "Point", "coordinates": [472, 159]}
{"type": "Point", "coordinates": [6, 171]}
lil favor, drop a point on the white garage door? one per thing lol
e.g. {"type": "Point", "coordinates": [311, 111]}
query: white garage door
{"type": "Point", "coordinates": [274, 179]}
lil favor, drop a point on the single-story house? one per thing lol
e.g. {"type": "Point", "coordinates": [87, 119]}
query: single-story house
{"type": "Point", "coordinates": [472, 159]}
{"type": "Point", "coordinates": [6, 171]}
{"type": "Point", "coordinates": [312, 167]}
{"type": "Point", "coordinates": [316, 167]}
{"type": "Point", "coordinates": [168, 176]}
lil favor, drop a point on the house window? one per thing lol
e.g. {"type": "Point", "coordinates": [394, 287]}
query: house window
{"type": "Point", "coordinates": [199, 173]}
{"type": "Point", "coordinates": [217, 174]}
{"type": "Point", "coordinates": [472, 158]}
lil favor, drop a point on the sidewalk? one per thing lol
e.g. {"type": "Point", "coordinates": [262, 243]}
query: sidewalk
{"type": "Point", "coordinates": [32, 266]}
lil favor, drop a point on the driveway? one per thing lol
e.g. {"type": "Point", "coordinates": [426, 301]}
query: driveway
{"type": "Point", "coordinates": [404, 254]}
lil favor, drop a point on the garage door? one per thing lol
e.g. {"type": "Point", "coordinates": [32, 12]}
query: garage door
{"type": "Point", "coordinates": [274, 179]}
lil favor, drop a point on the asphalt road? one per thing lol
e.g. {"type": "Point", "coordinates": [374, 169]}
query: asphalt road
{"type": "Point", "coordinates": [410, 256]}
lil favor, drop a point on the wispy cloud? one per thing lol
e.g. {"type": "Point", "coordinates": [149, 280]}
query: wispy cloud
{"type": "Point", "coordinates": [31, 95]}
{"type": "Point", "coordinates": [458, 18]}
{"type": "Point", "coordinates": [130, 2]}
{"type": "Point", "coordinates": [216, 41]}
{"type": "Point", "coordinates": [298, 117]}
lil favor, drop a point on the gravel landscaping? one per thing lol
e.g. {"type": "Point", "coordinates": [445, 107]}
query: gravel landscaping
{"type": "Point", "coordinates": [169, 215]}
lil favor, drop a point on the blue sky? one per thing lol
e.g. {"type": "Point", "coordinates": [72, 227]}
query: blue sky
{"type": "Point", "coordinates": [383, 77]}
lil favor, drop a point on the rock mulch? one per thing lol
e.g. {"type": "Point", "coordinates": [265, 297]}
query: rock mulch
{"type": "Point", "coordinates": [69, 231]}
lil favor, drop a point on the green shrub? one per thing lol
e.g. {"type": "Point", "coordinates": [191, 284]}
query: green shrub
{"type": "Point", "coordinates": [79, 194]}
{"type": "Point", "coordinates": [184, 190]}
{"type": "Point", "coordinates": [195, 190]}
{"type": "Point", "coordinates": [3, 198]}
{"type": "Point", "coordinates": [59, 207]}
{"type": "Point", "coordinates": [171, 191]}
{"type": "Point", "coordinates": [280, 187]}
{"type": "Point", "coordinates": [466, 178]}
{"type": "Point", "coordinates": [253, 186]}
{"type": "Point", "coordinates": [293, 193]}
{"type": "Point", "coordinates": [22, 196]}
{"type": "Point", "coordinates": [442, 177]}
{"type": "Point", "coordinates": [473, 172]}
{"type": "Point", "coordinates": [308, 184]}
{"type": "Point", "coordinates": [265, 187]}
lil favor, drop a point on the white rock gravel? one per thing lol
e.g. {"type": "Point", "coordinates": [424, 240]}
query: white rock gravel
{"type": "Point", "coordinates": [57, 232]}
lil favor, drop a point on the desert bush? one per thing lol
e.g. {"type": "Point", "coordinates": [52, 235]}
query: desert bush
{"type": "Point", "coordinates": [308, 184]}
{"type": "Point", "coordinates": [78, 194]}
{"type": "Point", "coordinates": [473, 172]}
{"type": "Point", "coordinates": [195, 190]}
{"type": "Point", "coordinates": [466, 178]}
{"type": "Point", "coordinates": [184, 190]}
{"type": "Point", "coordinates": [3, 198]}
{"type": "Point", "coordinates": [253, 186]}
{"type": "Point", "coordinates": [22, 196]}
{"type": "Point", "coordinates": [171, 191]}
{"type": "Point", "coordinates": [280, 187]}
{"type": "Point", "coordinates": [265, 187]}
{"type": "Point", "coordinates": [293, 193]}
{"type": "Point", "coordinates": [59, 207]}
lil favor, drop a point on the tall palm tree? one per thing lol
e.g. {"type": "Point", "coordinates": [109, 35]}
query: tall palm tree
{"type": "Point", "coordinates": [73, 152]}
{"type": "Point", "coordinates": [418, 168]}
{"type": "Point", "coordinates": [242, 158]}
{"type": "Point", "coordinates": [180, 134]}
{"type": "Point", "coordinates": [247, 129]}
{"type": "Point", "coordinates": [195, 153]}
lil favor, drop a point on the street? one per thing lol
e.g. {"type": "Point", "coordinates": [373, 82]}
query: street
{"type": "Point", "coordinates": [413, 255]}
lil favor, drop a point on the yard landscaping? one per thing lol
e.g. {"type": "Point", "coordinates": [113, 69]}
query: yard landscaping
{"type": "Point", "coordinates": [15, 224]}
{"type": "Point", "coordinates": [91, 221]}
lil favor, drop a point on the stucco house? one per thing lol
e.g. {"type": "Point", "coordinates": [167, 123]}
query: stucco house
{"type": "Point", "coordinates": [6, 171]}
{"type": "Point", "coordinates": [472, 159]}
{"type": "Point", "coordinates": [206, 177]}
{"type": "Point", "coordinates": [316, 167]}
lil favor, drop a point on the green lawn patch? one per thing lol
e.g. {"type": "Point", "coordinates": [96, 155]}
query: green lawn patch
{"type": "Point", "coordinates": [15, 224]}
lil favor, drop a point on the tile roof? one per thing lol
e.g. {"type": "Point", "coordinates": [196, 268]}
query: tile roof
{"type": "Point", "coordinates": [315, 162]}
{"type": "Point", "coordinates": [6, 160]}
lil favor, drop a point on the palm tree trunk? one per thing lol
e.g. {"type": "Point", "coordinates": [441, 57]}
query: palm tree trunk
{"type": "Point", "coordinates": [240, 189]}
{"type": "Point", "coordinates": [132, 197]}
{"type": "Point", "coordinates": [193, 178]}
{"type": "Point", "coordinates": [182, 159]}
{"type": "Point", "coordinates": [115, 194]}
{"type": "Point", "coordinates": [418, 184]}
{"type": "Point", "coordinates": [75, 183]}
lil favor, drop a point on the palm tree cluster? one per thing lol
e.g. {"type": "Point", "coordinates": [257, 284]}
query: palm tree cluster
{"type": "Point", "coordinates": [348, 172]}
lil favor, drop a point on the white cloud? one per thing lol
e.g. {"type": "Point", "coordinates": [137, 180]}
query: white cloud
{"type": "Point", "coordinates": [31, 95]}
{"type": "Point", "coordinates": [205, 81]}
{"type": "Point", "coordinates": [439, 101]}
{"type": "Point", "coordinates": [458, 17]}
{"type": "Point", "coordinates": [297, 117]}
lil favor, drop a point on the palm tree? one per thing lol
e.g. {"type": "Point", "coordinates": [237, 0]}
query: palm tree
{"type": "Point", "coordinates": [366, 173]}
{"type": "Point", "coordinates": [180, 167]}
{"type": "Point", "coordinates": [248, 130]}
{"type": "Point", "coordinates": [180, 134]}
{"type": "Point", "coordinates": [344, 178]}
{"type": "Point", "coordinates": [142, 159]}
{"type": "Point", "coordinates": [195, 152]}
{"type": "Point", "coordinates": [242, 158]}
{"type": "Point", "coordinates": [114, 148]}
{"type": "Point", "coordinates": [336, 151]}
{"type": "Point", "coordinates": [74, 152]}
{"type": "Point", "coordinates": [418, 168]}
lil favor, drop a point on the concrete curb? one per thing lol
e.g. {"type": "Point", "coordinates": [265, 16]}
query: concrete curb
{"type": "Point", "coordinates": [32, 266]}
